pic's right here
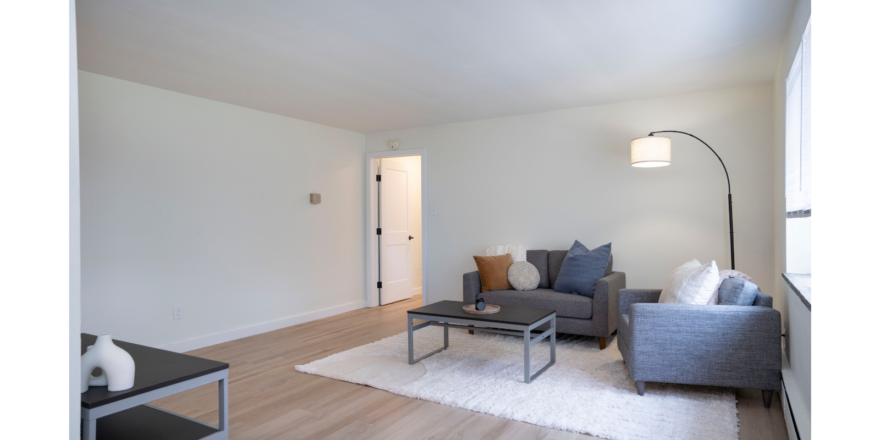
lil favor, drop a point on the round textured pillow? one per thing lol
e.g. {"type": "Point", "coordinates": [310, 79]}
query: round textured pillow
{"type": "Point", "coordinates": [523, 276]}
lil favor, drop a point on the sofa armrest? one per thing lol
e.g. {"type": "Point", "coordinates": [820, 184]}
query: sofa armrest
{"type": "Point", "coordinates": [472, 287]}
{"type": "Point", "coordinates": [709, 344]}
{"type": "Point", "coordinates": [629, 297]}
{"type": "Point", "coordinates": [605, 300]}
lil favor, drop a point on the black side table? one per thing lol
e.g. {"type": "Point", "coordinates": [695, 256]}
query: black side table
{"type": "Point", "coordinates": [159, 373]}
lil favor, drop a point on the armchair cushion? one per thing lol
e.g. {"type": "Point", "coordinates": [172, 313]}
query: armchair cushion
{"type": "Point", "coordinates": [737, 292]}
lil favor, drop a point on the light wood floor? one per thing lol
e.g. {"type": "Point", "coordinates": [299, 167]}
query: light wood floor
{"type": "Point", "coordinates": [269, 399]}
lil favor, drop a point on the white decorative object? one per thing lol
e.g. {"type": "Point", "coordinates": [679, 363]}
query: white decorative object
{"type": "Point", "coordinates": [517, 252]}
{"type": "Point", "coordinates": [587, 391]}
{"type": "Point", "coordinates": [99, 380]}
{"type": "Point", "coordinates": [523, 275]}
{"type": "Point", "coordinates": [691, 283]}
{"type": "Point", "coordinates": [116, 363]}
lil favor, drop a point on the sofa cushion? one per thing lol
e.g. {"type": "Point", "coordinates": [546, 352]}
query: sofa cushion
{"type": "Point", "coordinates": [566, 305]}
{"type": "Point", "coordinates": [582, 269]}
{"type": "Point", "coordinates": [737, 292]}
{"type": "Point", "coordinates": [554, 263]}
{"type": "Point", "coordinates": [493, 272]}
{"type": "Point", "coordinates": [539, 259]}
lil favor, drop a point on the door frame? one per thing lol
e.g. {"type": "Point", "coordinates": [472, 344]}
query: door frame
{"type": "Point", "coordinates": [371, 224]}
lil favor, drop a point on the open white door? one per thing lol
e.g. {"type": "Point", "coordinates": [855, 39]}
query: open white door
{"type": "Point", "coordinates": [395, 251]}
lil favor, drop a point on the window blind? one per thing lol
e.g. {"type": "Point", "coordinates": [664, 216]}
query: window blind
{"type": "Point", "coordinates": [798, 184]}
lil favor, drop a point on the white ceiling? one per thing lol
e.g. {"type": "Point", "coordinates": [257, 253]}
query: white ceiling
{"type": "Point", "coordinates": [378, 65]}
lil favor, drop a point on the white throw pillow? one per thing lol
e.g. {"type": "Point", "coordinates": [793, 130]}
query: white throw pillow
{"type": "Point", "coordinates": [691, 283]}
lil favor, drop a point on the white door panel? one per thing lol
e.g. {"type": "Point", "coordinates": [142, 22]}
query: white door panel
{"type": "Point", "coordinates": [395, 249]}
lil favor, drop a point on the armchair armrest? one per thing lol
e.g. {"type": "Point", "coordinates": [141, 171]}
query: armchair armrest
{"type": "Point", "coordinates": [737, 346]}
{"type": "Point", "coordinates": [472, 286]}
{"type": "Point", "coordinates": [629, 297]}
{"type": "Point", "coordinates": [605, 299]}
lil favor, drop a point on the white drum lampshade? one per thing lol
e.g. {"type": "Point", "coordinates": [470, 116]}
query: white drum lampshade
{"type": "Point", "coordinates": [651, 151]}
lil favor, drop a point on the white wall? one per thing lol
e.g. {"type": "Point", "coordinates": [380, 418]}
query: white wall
{"type": "Point", "coordinates": [74, 399]}
{"type": "Point", "coordinates": [413, 165]}
{"type": "Point", "coordinates": [192, 202]}
{"type": "Point", "coordinates": [546, 179]}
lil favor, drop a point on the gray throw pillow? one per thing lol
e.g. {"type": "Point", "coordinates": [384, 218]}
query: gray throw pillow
{"type": "Point", "coordinates": [737, 292]}
{"type": "Point", "coordinates": [582, 268]}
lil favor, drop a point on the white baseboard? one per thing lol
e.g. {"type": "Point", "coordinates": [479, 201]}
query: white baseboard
{"type": "Point", "coordinates": [796, 403]}
{"type": "Point", "coordinates": [417, 290]}
{"type": "Point", "coordinates": [243, 332]}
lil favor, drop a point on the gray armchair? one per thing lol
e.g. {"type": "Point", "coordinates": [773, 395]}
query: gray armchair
{"type": "Point", "coordinates": [715, 345]}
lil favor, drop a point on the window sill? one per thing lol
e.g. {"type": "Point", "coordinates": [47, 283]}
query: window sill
{"type": "Point", "coordinates": [801, 284]}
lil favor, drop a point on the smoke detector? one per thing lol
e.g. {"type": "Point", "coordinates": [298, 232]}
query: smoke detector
{"type": "Point", "coordinates": [392, 145]}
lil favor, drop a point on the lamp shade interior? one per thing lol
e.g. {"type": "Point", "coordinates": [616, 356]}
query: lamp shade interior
{"type": "Point", "coordinates": [651, 151]}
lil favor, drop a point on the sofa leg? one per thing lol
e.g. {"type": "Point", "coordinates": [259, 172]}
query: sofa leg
{"type": "Point", "coordinates": [640, 385]}
{"type": "Point", "coordinates": [470, 332]}
{"type": "Point", "coordinates": [768, 397]}
{"type": "Point", "coordinates": [602, 342]}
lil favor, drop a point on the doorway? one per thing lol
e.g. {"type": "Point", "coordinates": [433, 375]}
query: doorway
{"type": "Point", "coordinates": [397, 227]}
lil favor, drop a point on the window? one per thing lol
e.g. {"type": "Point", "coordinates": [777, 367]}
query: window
{"type": "Point", "coordinates": [799, 132]}
{"type": "Point", "coordinates": [799, 159]}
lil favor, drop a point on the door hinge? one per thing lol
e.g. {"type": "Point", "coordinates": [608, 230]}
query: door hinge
{"type": "Point", "coordinates": [378, 231]}
{"type": "Point", "coordinates": [378, 177]}
{"type": "Point", "coordinates": [379, 284]}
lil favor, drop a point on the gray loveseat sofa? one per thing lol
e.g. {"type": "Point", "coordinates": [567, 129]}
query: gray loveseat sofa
{"type": "Point", "coordinates": [715, 345]}
{"type": "Point", "coordinates": [575, 314]}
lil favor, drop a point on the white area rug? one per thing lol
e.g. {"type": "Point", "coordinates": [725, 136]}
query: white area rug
{"type": "Point", "coordinates": [587, 391]}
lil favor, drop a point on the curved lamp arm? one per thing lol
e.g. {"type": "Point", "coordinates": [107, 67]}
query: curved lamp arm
{"type": "Point", "coordinates": [707, 146]}
{"type": "Point", "coordinates": [729, 197]}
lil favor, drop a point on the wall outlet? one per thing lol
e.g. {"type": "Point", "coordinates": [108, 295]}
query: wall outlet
{"type": "Point", "coordinates": [178, 312]}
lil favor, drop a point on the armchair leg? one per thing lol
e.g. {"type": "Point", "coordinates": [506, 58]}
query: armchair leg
{"type": "Point", "coordinates": [768, 397]}
{"type": "Point", "coordinates": [601, 343]}
{"type": "Point", "coordinates": [640, 385]}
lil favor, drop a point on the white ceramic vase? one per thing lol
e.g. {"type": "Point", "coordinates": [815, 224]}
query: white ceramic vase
{"type": "Point", "coordinates": [99, 380]}
{"type": "Point", "coordinates": [116, 363]}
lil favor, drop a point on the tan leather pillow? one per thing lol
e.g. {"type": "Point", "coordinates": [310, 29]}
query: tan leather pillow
{"type": "Point", "coordinates": [493, 272]}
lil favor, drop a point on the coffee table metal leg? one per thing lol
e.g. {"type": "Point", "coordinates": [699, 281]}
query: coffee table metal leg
{"type": "Point", "coordinates": [410, 333]}
{"type": "Point", "coordinates": [223, 404]}
{"type": "Point", "coordinates": [553, 341]}
{"type": "Point", "coordinates": [89, 429]}
{"type": "Point", "coordinates": [527, 345]}
{"type": "Point", "coordinates": [445, 337]}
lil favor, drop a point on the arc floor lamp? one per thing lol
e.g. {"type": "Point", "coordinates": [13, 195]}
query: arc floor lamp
{"type": "Point", "coordinates": [656, 151]}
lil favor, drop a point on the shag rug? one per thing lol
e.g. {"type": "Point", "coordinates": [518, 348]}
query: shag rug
{"type": "Point", "coordinates": [587, 391]}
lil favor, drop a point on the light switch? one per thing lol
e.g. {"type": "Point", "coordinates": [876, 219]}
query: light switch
{"type": "Point", "coordinates": [314, 198]}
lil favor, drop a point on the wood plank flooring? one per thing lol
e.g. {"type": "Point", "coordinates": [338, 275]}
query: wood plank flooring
{"type": "Point", "coordinates": [269, 399]}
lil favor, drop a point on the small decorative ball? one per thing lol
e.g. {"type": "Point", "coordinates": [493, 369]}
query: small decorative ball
{"type": "Point", "coordinates": [480, 304]}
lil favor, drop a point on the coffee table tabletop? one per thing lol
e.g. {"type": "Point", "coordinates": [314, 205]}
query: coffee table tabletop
{"type": "Point", "coordinates": [516, 315]}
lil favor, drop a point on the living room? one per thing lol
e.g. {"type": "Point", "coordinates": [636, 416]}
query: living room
{"type": "Point", "coordinates": [374, 220]}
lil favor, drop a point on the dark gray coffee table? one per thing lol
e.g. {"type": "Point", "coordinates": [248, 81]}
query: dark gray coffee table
{"type": "Point", "coordinates": [511, 320]}
{"type": "Point", "coordinates": [125, 415]}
